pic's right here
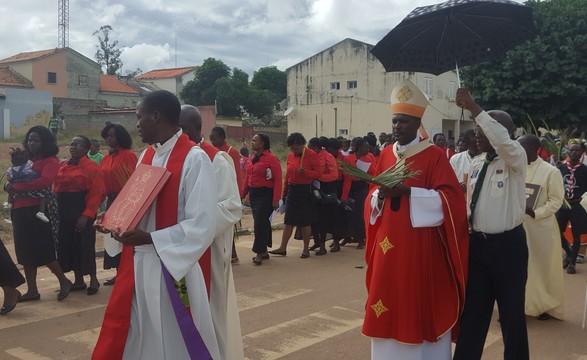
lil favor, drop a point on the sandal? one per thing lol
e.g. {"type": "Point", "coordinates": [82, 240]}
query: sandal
{"type": "Point", "coordinates": [305, 255]}
{"type": "Point", "coordinates": [257, 262]}
{"type": "Point", "coordinates": [234, 261]}
{"type": "Point", "coordinates": [277, 252]}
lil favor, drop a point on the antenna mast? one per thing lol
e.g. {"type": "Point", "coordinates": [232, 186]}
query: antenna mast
{"type": "Point", "coordinates": [63, 23]}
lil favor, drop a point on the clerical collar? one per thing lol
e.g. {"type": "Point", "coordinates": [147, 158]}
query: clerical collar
{"type": "Point", "coordinates": [168, 144]}
{"type": "Point", "coordinates": [403, 148]}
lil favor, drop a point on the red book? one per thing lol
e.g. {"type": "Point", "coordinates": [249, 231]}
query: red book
{"type": "Point", "coordinates": [135, 198]}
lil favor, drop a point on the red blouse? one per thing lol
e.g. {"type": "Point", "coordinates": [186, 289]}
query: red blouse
{"type": "Point", "coordinates": [352, 159]}
{"type": "Point", "coordinates": [85, 176]}
{"type": "Point", "coordinates": [257, 173]}
{"type": "Point", "coordinates": [329, 167]}
{"type": "Point", "coordinates": [46, 168]}
{"type": "Point", "coordinates": [311, 166]}
{"type": "Point", "coordinates": [117, 168]}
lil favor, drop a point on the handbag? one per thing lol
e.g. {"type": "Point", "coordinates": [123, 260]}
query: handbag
{"type": "Point", "coordinates": [329, 199]}
{"type": "Point", "coordinates": [316, 195]}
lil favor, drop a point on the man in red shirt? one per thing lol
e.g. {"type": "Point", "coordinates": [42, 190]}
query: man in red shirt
{"type": "Point", "coordinates": [218, 139]}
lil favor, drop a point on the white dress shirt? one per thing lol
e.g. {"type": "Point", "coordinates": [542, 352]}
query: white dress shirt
{"type": "Point", "coordinates": [502, 201]}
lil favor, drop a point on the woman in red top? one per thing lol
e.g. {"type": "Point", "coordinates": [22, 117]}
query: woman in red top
{"type": "Point", "coordinates": [300, 208]}
{"type": "Point", "coordinates": [80, 190]}
{"type": "Point", "coordinates": [357, 189]}
{"type": "Point", "coordinates": [33, 239]}
{"type": "Point", "coordinates": [116, 166]}
{"type": "Point", "coordinates": [263, 184]}
{"type": "Point", "coordinates": [328, 216]}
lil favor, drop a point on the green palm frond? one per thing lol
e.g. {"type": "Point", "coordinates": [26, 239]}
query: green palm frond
{"type": "Point", "coordinates": [391, 177]}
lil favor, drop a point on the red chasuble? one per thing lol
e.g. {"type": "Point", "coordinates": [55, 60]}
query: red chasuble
{"type": "Point", "coordinates": [115, 326]}
{"type": "Point", "coordinates": [416, 276]}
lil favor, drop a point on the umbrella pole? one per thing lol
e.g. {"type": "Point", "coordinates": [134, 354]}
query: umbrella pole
{"type": "Point", "coordinates": [458, 74]}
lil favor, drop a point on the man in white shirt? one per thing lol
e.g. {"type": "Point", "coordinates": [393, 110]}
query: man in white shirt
{"type": "Point", "coordinates": [498, 254]}
{"type": "Point", "coordinates": [462, 161]}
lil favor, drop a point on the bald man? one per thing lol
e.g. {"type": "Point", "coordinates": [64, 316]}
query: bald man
{"type": "Point", "coordinates": [228, 212]}
{"type": "Point", "coordinates": [498, 254]}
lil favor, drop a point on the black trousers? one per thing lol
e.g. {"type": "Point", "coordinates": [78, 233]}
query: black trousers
{"type": "Point", "coordinates": [498, 268]}
{"type": "Point", "coordinates": [262, 204]}
{"type": "Point", "coordinates": [578, 218]}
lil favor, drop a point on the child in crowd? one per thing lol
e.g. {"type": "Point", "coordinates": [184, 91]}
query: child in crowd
{"type": "Point", "coordinates": [21, 171]}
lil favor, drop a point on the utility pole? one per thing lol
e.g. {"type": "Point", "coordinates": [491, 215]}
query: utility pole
{"type": "Point", "coordinates": [63, 24]}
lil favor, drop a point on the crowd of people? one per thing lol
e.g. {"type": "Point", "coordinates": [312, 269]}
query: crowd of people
{"type": "Point", "coordinates": [441, 247]}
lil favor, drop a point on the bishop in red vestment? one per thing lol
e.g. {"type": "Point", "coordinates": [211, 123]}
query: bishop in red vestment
{"type": "Point", "coordinates": [417, 238]}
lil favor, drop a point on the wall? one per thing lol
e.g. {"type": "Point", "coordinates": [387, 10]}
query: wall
{"type": "Point", "coordinates": [94, 122]}
{"type": "Point", "coordinates": [320, 110]}
{"type": "Point", "coordinates": [56, 63]}
{"type": "Point", "coordinates": [80, 65]}
{"type": "Point", "coordinates": [120, 100]}
{"type": "Point", "coordinates": [208, 114]}
{"type": "Point", "coordinates": [26, 108]}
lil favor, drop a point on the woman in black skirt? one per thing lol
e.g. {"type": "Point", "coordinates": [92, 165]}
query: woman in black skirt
{"type": "Point", "coordinates": [263, 184]}
{"type": "Point", "coordinates": [80, 191]}
{"type": "Point", "coordinates": [10, 279]}
{"type": "Point", "coordinates": [357, 189]}
{"type": "Point", "coordinates": [35, 240]}
{"type": "Point", "coordinates": [303, 167]}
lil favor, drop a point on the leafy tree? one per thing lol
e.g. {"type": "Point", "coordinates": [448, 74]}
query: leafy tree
{"type": "Point", "coordinates": [272, 79]}
{"type": "Point", "coordinates": [107, 52]}
{"type": "Point", "coordinates": [133, 73]}
{"type": "Point", "coordinates": [232, 92]}
{"type": "Point", "coordinates": [202, 90]}
{"type": "Point", "coordinates": [260, 103]}
{"type": "Point", "coordinates": [543, 78]}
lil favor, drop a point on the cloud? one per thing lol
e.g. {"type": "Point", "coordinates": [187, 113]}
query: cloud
{"type": "Point", "coordinates": [145, 56]}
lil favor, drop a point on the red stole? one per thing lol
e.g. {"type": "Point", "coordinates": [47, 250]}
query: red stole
{"type": "Point", "coordinates": [116, 324]}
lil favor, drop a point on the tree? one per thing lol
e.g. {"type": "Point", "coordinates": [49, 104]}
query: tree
{"type": "Point", "coordinates": [232, 92]}
{"type": "Point", "coordinates": [272, 79]}
{"type": "Point", "coordinates": [107, 52]}
{"type": "Point", "coordinates": [134, 73]}
{"type": "Point", "coordinates": [202, 90]}
{"type": "Point", "coordinates": [260, 103]}
{"type": "Point", "coordinates": [543, 78]}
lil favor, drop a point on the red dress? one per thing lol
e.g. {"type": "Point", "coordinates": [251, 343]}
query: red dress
{"type": "Point", "coordinates": [416, 276]}
{"type": "Point", "coordinates": [117, 168]}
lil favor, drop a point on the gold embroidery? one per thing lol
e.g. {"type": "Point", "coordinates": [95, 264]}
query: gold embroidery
{"type": "Point", "coordinates": [385, 245]}
{"type": "Point", "coordinates": [379, 308]}
{"type": "Point", "coordinates": [404, 94]}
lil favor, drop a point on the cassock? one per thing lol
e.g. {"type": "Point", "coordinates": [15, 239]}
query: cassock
{"type": "Point", "coordinates": [544, 287]}
{"type": "Point", "coordinates": [152, 330]}
{"type": "Point", "coordinates": [417, 258]}
{"type": "Point", "coordinates": [223, 304]}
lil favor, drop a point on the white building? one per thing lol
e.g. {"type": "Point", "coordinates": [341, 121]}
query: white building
{"type": "Point", "coordinates": [172, 80]}
{"type": "Point", "coordinates": [345, 91]}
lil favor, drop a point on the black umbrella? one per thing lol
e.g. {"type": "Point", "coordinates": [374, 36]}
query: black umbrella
{"type": "Point", "coordinates": [433, 39]}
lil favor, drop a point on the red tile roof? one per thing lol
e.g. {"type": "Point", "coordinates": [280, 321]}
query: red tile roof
{"type": "Point", "coordinates": [11, 78]}
{"type": "Point", "coordinates": [166, 73]}
{"type": "Point", "coordinates": [112, 83]}
{"type": "Point", "coordinates": [32, 55]}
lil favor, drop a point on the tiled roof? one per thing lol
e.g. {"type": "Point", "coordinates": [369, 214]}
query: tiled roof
{"type": "Point", "coordinates": [32, 55]}
{"type": "Point", "coordinates": [112, 83]}
{"type": "Point", "coordinates": [11, 78]}
{"type": "Point", "coordinates": [166, 73]}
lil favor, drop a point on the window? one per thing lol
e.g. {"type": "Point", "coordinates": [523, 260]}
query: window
{"type": "Point", "coordinates": [452, 91]}
{"type": "Point", "coordinates": [51, 78]}
{"type": "Point", "coordinates": [343, 132]}
{"type": "Point", "coordinates": [428, 86]}
{"type": "Point", "coordinates": [334, 86]}
{"type": "Point", "coordinates": [351, 84]}
{"type": "Point", "coordinates": [82, 80]}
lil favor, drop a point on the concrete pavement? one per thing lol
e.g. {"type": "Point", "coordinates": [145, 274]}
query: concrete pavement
{"type": "Point", "coordinates": [290, 308]}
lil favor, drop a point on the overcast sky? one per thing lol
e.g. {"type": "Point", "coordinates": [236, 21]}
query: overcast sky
{"type": "Point", "coordinates": [247, 34]}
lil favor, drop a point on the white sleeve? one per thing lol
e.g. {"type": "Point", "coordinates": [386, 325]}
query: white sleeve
{"type": "Point", "coordinates": [375, 209]}
{"type": "Point", "coordinates": [425, 208]}
{"type": "Point", "coordinates": [509, 150]}
{"type": "Point", "coordinates": [229, 207]}
{"type": "Point", "coordinates": [180, 246]}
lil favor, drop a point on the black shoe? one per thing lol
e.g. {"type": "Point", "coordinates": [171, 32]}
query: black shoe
{"type": "Point", "coordinates": [314, 247]}
{"type": "Point", "coordinates": [305, 255]}
{"type": "Point", "coordinates": [321, 252]}
{"type": "Point", "coordinates": [78, 287]}
{"type": "Point", "coordinates": [92, 290]}
{"type": "Point", "coordinates": [335, 248]}
{"type": "Point", "coordinates": [277, 252]}
{"type": "Point", "coordinates": [29, 297]}
{"type": "Point", "coordinates": [571, 269]}
{"type": "Point", "coordinates": [64, 291]}
{"type": "Point", "coordinates": [110, 282]}
{"type": "Point", "coordinates": [265, 256]}
{"type": "Point", "coordinates": [566, 263]}
{"type": "Point", "coordinates": [544, 316]}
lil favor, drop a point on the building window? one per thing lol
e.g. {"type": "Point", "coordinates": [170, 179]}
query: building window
{"type": "Point", "coordinates": [428, 86]}
{"type": "Point", "coordinates": [452, 91]}
{"type": "Point", "coordinates": [51, 78]}
{"type": "Point", "coordinates": [334, 86]}
{"type": "Point", "coordinates": [351, 84]}
{"type": "Point", "coordinates": [343, 132]}
{"type": "Point", "coordinates": [82, 80]}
